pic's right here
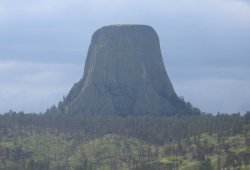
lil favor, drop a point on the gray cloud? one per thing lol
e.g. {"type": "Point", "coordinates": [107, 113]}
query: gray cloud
{"type": "Point", "coordinates": [33, 87]}
{"type": "Point", "coordinates": [216, 95]}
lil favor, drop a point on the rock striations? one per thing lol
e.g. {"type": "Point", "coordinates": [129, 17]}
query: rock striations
{"type": "Point", "coordinates": [124, 74]}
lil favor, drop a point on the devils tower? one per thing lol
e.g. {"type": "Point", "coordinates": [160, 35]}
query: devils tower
{"type": "Point", "coordinates": [124, 74]}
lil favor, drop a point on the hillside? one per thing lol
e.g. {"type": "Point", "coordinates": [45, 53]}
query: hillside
{"type": "Point", "coordinates": [59, 141]}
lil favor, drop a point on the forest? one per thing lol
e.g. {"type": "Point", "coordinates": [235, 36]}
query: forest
{"type": "Point", "coordinates": [55, 140]}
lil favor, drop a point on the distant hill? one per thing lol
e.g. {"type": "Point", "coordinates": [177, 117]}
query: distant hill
{"type": "Point", "coordinates": [125, 74]}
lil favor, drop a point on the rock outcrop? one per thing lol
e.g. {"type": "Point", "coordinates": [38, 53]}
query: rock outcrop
{"type": "Point", "coordinates": [124, 74]}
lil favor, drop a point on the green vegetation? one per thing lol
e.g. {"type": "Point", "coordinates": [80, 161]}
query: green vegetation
{"type": "Point", "coordinates": [64, 141]}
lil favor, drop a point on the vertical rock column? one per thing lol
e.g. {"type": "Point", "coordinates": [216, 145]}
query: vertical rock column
{"type": "Point", "coordinates": [124, 74]}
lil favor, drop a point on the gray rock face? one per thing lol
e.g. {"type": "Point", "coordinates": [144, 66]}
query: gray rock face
{"type": "Point", "coordinates": [124, 74]}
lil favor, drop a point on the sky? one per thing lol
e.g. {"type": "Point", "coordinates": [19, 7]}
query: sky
{"type": "Point", "coordinates": [205, 46]}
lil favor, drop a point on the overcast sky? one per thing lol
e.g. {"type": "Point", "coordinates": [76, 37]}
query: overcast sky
{"type": "Point", "coordinates": [205, 46]}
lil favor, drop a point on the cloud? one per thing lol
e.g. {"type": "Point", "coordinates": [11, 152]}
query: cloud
{"type": "Point", "coordinates": [125, 9]}
{"type": "Point", "coordinates": [43, 8]}
{"type": "Point", "coordinates": [213, 89]}
{"type": "Point", "coordinates": [216, 95]}
{"type": "Point", "coordinates": [33, 87]}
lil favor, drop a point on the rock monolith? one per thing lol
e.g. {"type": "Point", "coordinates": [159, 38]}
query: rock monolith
{"type": "Point", "coordinates": [124, 74]}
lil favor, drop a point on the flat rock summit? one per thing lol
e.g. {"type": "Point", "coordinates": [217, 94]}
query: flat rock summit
{"type": "Point", "coordinates": [124, 74]}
